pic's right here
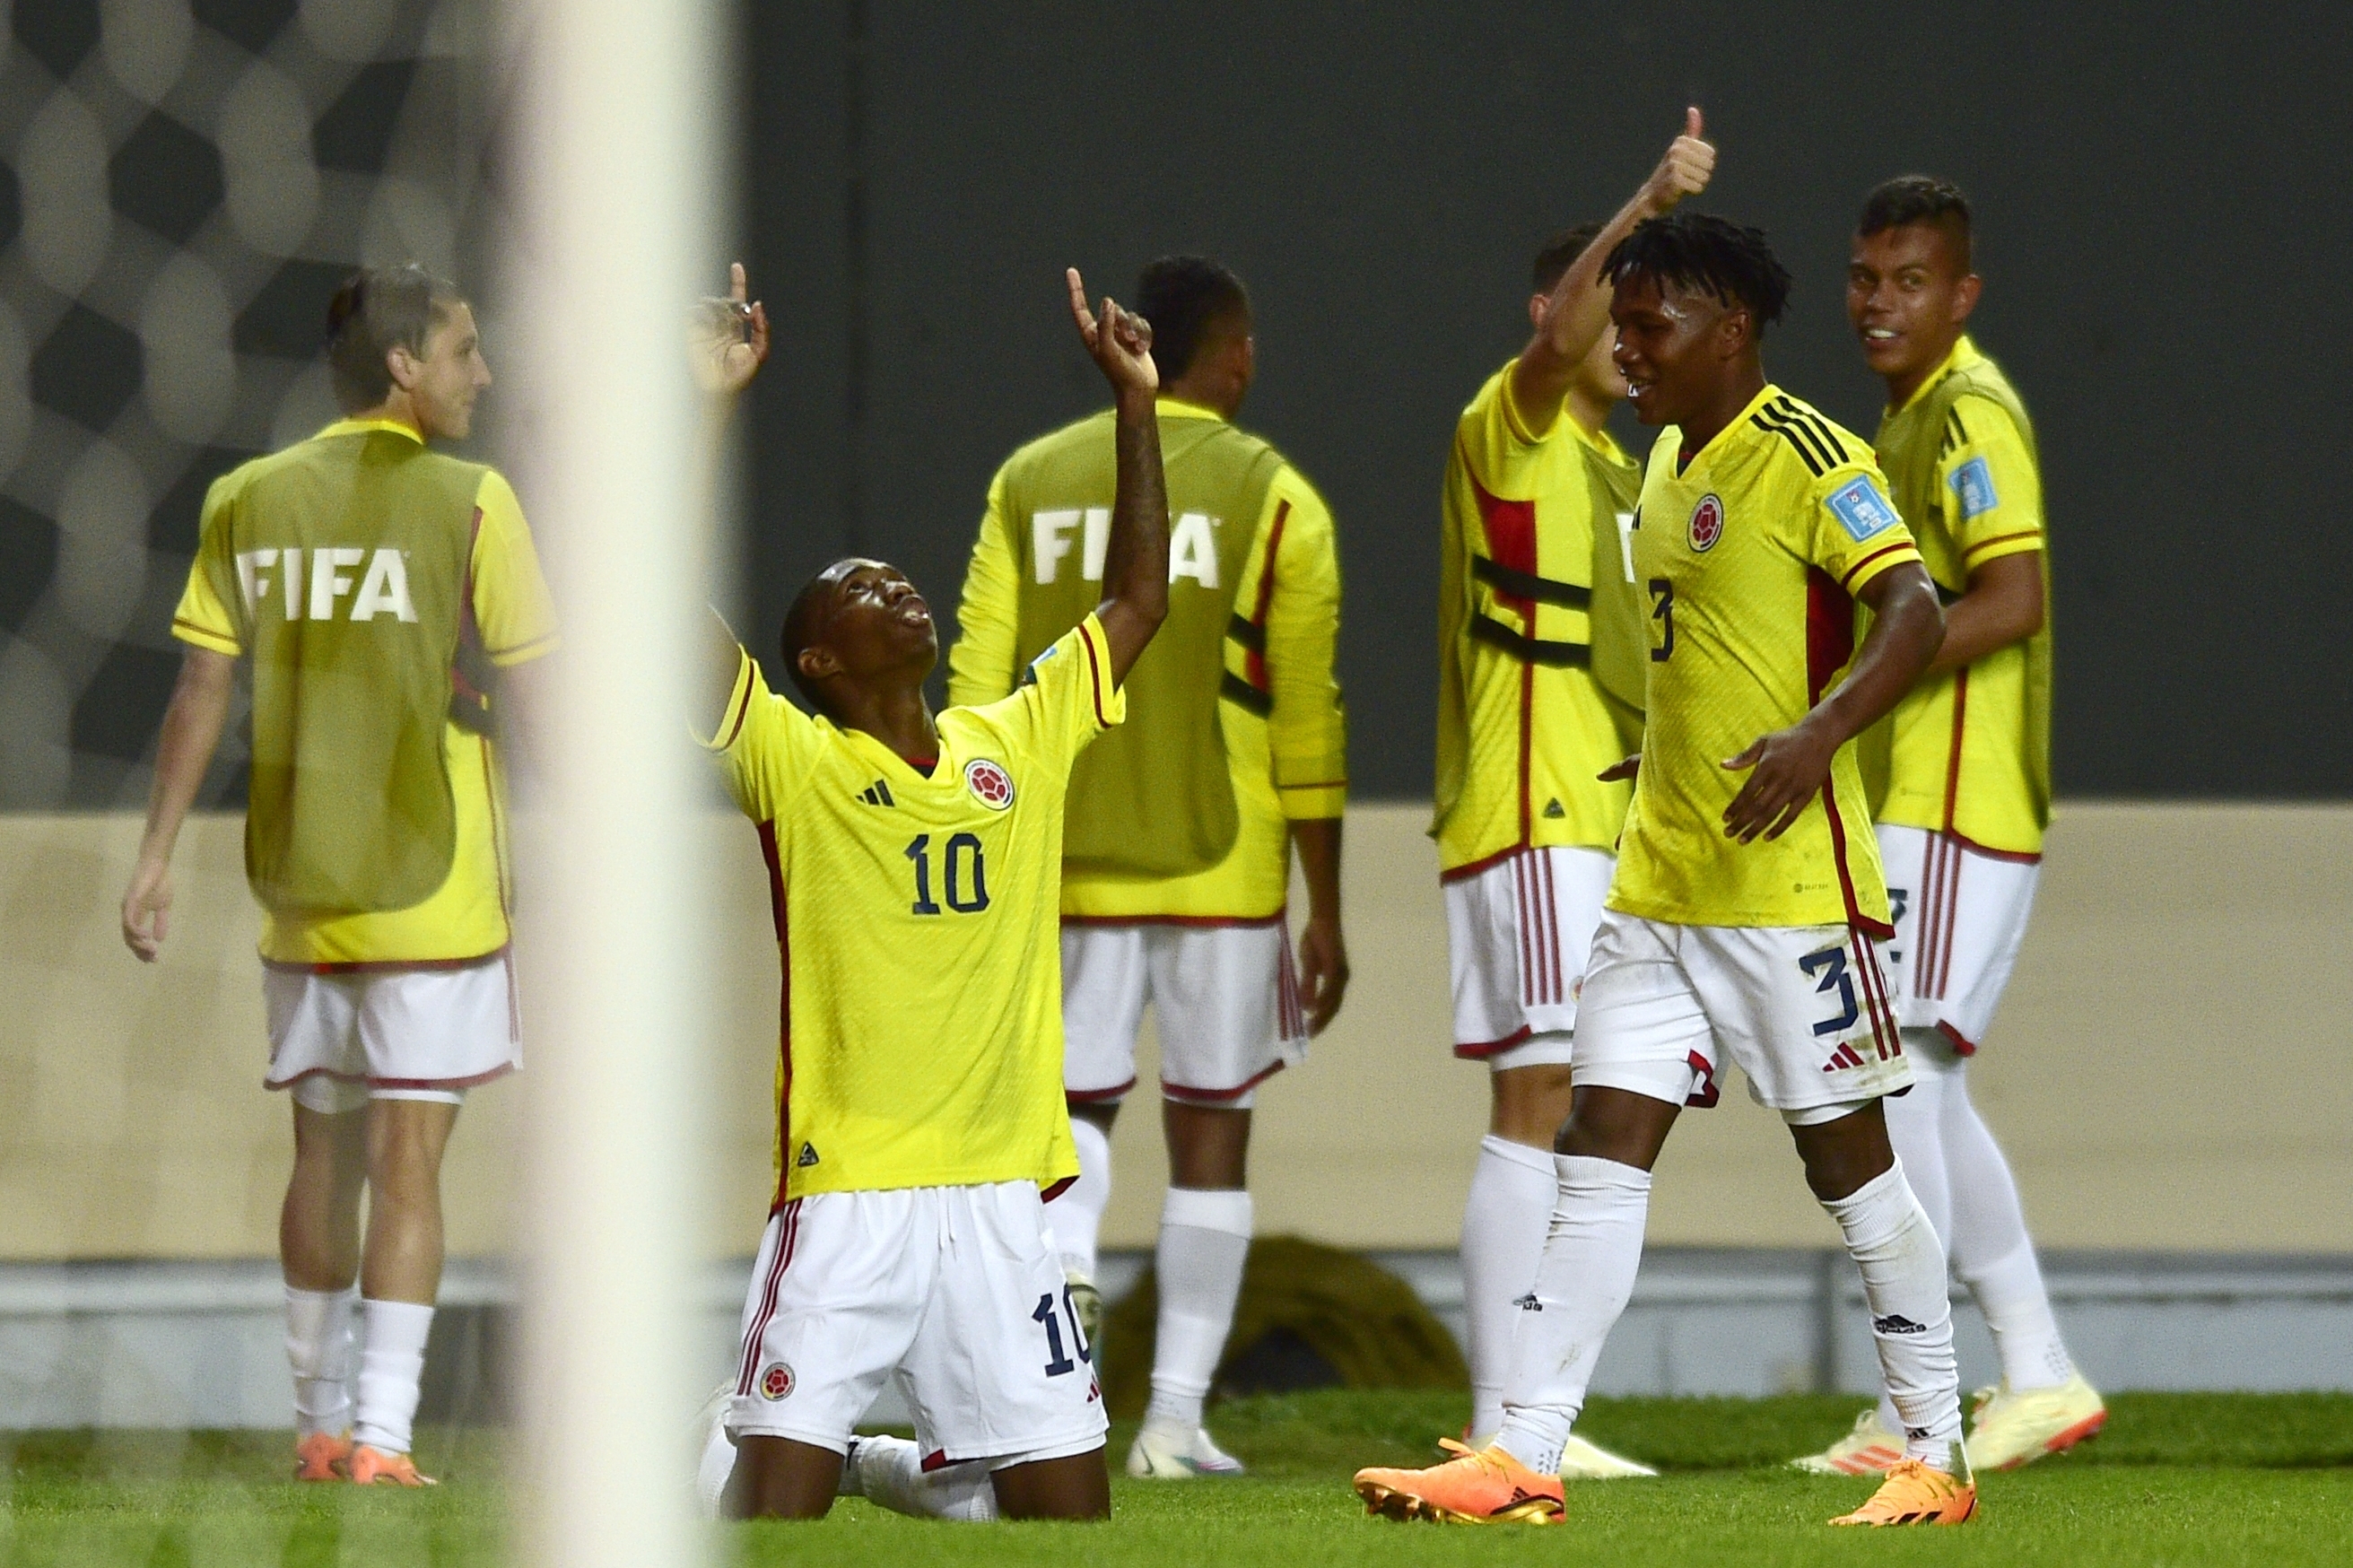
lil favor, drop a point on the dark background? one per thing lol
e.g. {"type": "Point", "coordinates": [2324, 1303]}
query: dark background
{"type": "Point", "coordinates": [2161, 197]}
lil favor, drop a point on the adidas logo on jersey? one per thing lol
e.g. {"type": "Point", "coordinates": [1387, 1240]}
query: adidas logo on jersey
{"type": "Point", "coordinates": [877, 793]}
{"type": "Point", "coordinates": [1553, 809]}
{"type": "Point", "coordinates": [808, 1156]}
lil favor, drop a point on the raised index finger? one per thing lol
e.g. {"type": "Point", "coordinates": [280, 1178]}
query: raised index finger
{"type": "Point", "coordinates": [737, 290]}
{"type": "Point", "coordinates": [1079, 312]}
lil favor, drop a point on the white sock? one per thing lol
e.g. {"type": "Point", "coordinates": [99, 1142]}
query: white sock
{"type": "Point", "coordinates": [1511, 1192]}
{"type": "Point", "coordinates": [391, 1362]}
{"type": "Point", "coordinates": [1078, 1213]}
{"type": "Point", "coordinates": [1915, 1128]}
{"type": "Point", "coordinates": [1994, 1255]}
{"type": "Point", "coordinates": [1582, 1284]}
{"type": "Point", "coordinates": [319, 1349]}
{"type": "Point", "coordinates": [890, 1472]}
{"type": "Point", "coordinates": [711, 1477]}
{"type": "Point", "coordinates": [1890, 1239]}
{"type": "Point", "coordinates": [1205, 1235]}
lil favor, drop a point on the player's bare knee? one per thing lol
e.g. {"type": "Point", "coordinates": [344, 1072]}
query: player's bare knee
{"type": "Point", "coordinates": [1618, 1125]}
{"type": "Point", "coordinates": [1846, 1154]}
{"type": "Point", "coordinates": [1099, 1113]}
{"type": "Point", "coordinates": [1529, 1105]}
{"type": "Point", "coordinates": [776, 1478]}
{"type": "Point", "coordinates": [1077, 1488]}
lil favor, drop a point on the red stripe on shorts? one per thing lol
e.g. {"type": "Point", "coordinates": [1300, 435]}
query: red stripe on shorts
{"type": "Point", "coordinates": [788, 1233]}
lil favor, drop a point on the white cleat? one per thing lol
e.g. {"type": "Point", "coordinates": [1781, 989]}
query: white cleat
{"type": "Point", "coordinates": [1870, 1449]}
{"type": "Point", "coordinates": [1174, 1457]}
{"type": "Point", "coordinates": [2018, 1428]}
{"type": "Point", "coordinates": [715, 1451]}
{"type": "Point", "coordinates": [1086, 1305]}
{"type": "Point", "coordinates": [1584, 1461]}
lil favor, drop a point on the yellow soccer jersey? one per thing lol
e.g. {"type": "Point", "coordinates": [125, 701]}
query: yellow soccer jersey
{"type": "Point", "coordinates": [1521, 726]}
{"type": "Point", "coordinates": [1960, 747]}
{"type": "Point", "coordinates": [1750, 554]}
{"type": "Point", "coordinates": [916, 924]}
{"type": "Point", "coordinates": [1285, 728]}
{"type": "Point", "coordinates": [468, 917]}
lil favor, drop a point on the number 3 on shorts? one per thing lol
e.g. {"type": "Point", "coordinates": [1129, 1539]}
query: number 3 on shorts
{"type": "Point", "coordinates": [1831, 964]}
{"type": "Point", "coordinates": [1056, 1360]}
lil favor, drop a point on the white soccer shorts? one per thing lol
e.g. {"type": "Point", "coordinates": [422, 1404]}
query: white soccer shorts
{"type": "Point", "coordinates": [341, 1037]}
{"type": "Point", "coordinates": [1960, 917]}
{"type": "Point", "coordinates": [1225, 998]}
{"type": "Point", "coordinates": [1802, 1010]}
{"type": "Point", "coordinates": [1518, 930]}
{"type": "Point", "coordinates": [954, 1290]}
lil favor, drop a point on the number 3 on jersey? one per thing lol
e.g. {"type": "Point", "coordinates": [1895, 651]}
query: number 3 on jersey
{"type": "Point", "coordinates": [966, 874]}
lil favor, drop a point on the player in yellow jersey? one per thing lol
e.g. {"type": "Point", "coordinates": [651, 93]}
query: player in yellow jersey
{"type": "Point", "coordinates": [384, 592]}
{"type": "Point", "coordinates": [1542, 657]}
{"type": "Point", "coordinates": [1746, 910]}
{"type": "Point", "coordinates": [1964, 794]}
{"type": "Point", "coordinates": [1176, 856]}
{"type": "Point", "coordinates": [914, 862]}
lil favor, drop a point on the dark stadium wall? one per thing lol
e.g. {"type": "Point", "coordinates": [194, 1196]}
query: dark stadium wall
{"type": "Point", "coordinates": [2163, 230]}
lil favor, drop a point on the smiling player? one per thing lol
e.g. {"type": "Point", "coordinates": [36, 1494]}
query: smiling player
{"type": "Point", "coordinates": [914, 862]}
{"type": "Point", "coordinates": [1964, 793]}
{"type": "Point", "coordinates": [1747, 907]}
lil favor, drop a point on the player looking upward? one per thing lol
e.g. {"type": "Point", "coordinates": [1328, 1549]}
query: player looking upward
{"type": "Point", "coordinates": [1746, 910]}
{"type": "Point", "coordinates": [1176, 860]}
{"type": "Point", "coordinates": [1962, 788]}
{"type": "Point", "coordinates": [914, 860]}
{"type": "Point", "coordinates": [1542, 658]}
{"type": "Point", "coordinates": [384, 592]}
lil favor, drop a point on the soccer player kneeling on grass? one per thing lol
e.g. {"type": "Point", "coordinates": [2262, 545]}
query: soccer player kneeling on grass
{"type": "Point", "coordinates": [1745, 911]}
{"type": "Point", "coordinates": [915, 865]}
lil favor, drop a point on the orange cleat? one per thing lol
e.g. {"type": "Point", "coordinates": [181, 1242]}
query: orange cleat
{"type": "Point", "coordinates": [1912, 1493]}
{"type": "Point", "coordinates": [1483, 1485]}
{"type": "Point", "coordinates": [373, 1466]}
{"type": "Point", "coordinates": [324, 1456]}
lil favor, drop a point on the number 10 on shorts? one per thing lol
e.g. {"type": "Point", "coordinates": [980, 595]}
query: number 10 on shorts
{"type": "Point", "coordinates": [1047, 1317]}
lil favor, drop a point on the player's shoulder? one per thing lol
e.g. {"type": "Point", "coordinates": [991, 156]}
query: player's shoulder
{"type": "Point", "coordinates": [1802, 444]}
{"type": "Point", "coordinates": [1055, 442]}
{"type": "Point", "coordinates": [1492, 402]}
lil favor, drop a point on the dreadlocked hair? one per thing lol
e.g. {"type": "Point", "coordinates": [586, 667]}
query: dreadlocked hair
{"type": "Point", "coordinates": [1703, 252]}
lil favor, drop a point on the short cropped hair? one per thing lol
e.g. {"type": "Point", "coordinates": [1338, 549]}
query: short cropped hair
{"type": "Point", "coordinates": [800, 631]}
{"type": "Point", "coordinates": [1712, 255]}
{"type": "Point", "coordinates": [1185, 297]}
{"type": "Point", "coordinates": [379, 309]}
{"type": "Point", "coordinates": [1558, 255]}
{"type": "Point", "coordinates": [1920, 198]}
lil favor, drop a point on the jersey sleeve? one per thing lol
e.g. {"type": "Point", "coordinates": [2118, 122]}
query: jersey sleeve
{"type": "Point", "coordinates": [512, 606]}
{"type": "Point", "coordinates": [1290, 591]}
{"type": "Point", "coordinates": [1987, 480]}
{"type": "Point", "coordinates": [1498, 451]}
{"type": "Point", "coordinates": [1854, 532]}
{"type": "Point", "coordinates": [980, 664]}
{"type": "Point", "coordinates": [212, 608]}
{"type": "Point", "coordinates": [766, 746]}
{"type": "Point", "coordinates": [1066, 698]}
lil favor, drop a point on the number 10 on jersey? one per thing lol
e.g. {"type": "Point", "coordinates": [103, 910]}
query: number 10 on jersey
{"type": "Point", "coordinates": [965, 874]}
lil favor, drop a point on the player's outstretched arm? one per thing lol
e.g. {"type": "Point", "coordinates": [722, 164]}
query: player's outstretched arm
{"type": "Point", "coordinates": [727, 342]}
{"type": "Point", "coordinates": [192, 729]}
{"type": "Point", "coordinates": [1579, 307]}
{"type": "Point", "coordinates": [1135, 561]}
{"type": "Point", "coordinates": [1788, 767]}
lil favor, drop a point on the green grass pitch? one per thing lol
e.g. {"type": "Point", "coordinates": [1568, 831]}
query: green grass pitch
{"type": "Point", "coordinates": [2176, 1479]}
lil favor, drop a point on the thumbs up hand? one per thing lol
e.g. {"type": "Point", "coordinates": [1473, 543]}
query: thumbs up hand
{"type": "Point", "coordinates": [1689, 164]}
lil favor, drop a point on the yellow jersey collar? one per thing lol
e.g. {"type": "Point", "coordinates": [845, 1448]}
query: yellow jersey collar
{"type": "Point", "coordinates": [1739, 422]}
{"type": "Point", "coordinates": [1177, 408]}
{"type": "Point", "coordinates": [1600, 441]}
{"type": "Point", "coordinates": [1965, 355]}
{"type": "Point", "coordinates": [368, 427]}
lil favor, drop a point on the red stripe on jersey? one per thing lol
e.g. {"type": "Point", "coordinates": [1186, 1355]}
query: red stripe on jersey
{"type": "Point", "coordinates": [1510, 528]}
{"type": "Point", "coordinates": [743, 709]}
{"type": "Point", "coordinates": [773, 856]}
{"type": "Point", "coordinates": [1254, 660]}
{"type": "Point", "coordinates": [1890, 549]}
{"type": "Point", "coordinates": [1854, 915]}
{"type": "Point", "coordinates": [1830, 632]}
{"type": "Point", "coordinates": [1953, 758]}
{"type": "Point", "coordinates": [1095, 673]}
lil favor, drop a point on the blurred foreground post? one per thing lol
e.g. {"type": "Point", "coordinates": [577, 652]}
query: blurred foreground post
{"type": "Point", "coordinates": [619, 205]}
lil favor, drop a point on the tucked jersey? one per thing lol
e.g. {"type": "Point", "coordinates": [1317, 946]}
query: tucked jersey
{"type": "Point", "coordinates": [1267, 557]}
{"type": "Point", "coordinates": [332, 622]}
{"type": "Point", "coordinates": [917, 929]}
{"type": "Point", "coordinates": [1535, 602]}
{"type": "Point", "coordinates": [1968, 751]}
{"type": "Point", "coordinates": [1751, 551]}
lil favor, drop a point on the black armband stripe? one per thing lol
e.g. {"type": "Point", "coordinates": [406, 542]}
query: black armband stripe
{"type": "Point", "coordinates": [1527, 586]}
{"type": "Point", "coordinates": [1250, 634]}
{"type": "Point", "coordinates": [1528, 649]}
{"type": "Point", "coordinates": [1242, 694]}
